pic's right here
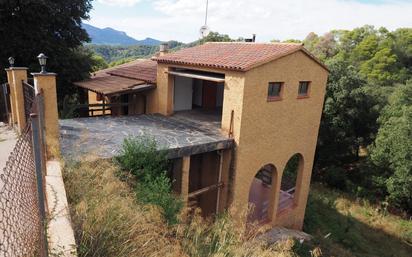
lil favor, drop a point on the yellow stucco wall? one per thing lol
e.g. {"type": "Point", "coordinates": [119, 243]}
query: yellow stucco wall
{"type": "Point", "coordinates": [271, 132]}
{"type": "Point", "coordinates": [46, 83]}
{"type": "Point", "coordinates": [161, 99]}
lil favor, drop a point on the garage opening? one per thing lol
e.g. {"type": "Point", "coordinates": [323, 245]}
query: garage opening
{"type": "Point", "coordinates": [205, 182]}
{"type": "Point", "coordinates": [198, 91]}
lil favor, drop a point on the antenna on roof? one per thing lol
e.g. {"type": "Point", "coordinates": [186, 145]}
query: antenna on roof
{"type": "Point", "coordinates": [204, 30]}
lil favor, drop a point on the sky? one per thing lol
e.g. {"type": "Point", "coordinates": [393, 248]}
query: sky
{"type": "Point", "coordinates": [268, 19]}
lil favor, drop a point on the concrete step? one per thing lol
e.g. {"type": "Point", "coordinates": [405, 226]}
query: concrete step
{"type": "Point", "coordinates": [280, 234]}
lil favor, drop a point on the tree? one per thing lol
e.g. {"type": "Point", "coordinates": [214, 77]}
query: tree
{"type": "Point", "coordinates": [99, 63]}
{"type": "Point", "coordinates": [380, 69]}
{"type": "Point", "coordinates": [323, 47]}
{"type": "Point", "coordinates": [216, 37]}
{"type": "Point", "coordinates": [349, 116]}
{"type": "Point", "coordinates": [53, 27]}
{"type": "Point", "coordinates": [392, 149]}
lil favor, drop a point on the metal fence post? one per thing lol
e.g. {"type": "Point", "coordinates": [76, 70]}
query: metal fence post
{"type": "Point", "coordinates": [37, 153]}
{"type": "Point", "coordinates": [5, 95]}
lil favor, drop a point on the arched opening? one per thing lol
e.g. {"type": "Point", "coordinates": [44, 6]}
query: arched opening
{"type": "Point", "coordinates": [288, 187]}
{"type": "Point", "coordinates": [261, 194]}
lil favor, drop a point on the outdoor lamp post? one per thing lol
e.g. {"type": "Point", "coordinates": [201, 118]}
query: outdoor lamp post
{"type": "Point", "coordinates": [42, 60]}
{"type": "Point", "coordinates": [11, 61]}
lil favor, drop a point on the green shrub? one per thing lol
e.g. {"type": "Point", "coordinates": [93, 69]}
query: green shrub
{"type": "Point", "coordinates": [336, 177]}
{"type": "Point", "coordinates": [157, 191]}
{"type": "Point", "coordinates": [140, 156]}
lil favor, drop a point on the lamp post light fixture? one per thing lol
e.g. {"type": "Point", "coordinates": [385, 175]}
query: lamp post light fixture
{"type": "Point", "coordinates": [43, 61]}
{"type": "Point", "coordinates": [11, 61]}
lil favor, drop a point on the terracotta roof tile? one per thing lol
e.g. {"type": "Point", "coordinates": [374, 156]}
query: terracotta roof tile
{"type": "Point", "coordinates": [145, 70]}
{"type": "Point", "coordinates": [239, 56]}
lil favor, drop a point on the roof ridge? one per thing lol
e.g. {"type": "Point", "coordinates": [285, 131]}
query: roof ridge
{"type": "Point", "coordinates": [256, 43]}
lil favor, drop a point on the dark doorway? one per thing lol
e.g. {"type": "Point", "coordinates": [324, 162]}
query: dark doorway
{"type": "Point", "coordinates": [209, 94]}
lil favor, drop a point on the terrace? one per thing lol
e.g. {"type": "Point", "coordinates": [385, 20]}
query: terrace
{"type": "Point", "coordinates": [182, 134]}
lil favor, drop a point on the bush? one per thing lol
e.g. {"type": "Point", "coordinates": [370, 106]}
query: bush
{"type": "Point", "coordinates": [140, 156]}
{"type": "Point", "coordinates": [335, 177]}
{"type": "Point", "coordinates": [157, 191]}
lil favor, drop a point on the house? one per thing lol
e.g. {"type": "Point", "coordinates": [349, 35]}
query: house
{"type": "Point", "coordinates": [244, 111]}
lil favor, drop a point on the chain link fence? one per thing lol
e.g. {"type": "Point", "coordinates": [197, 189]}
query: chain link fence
{"type": "Point", "coordinates": [22, 219]}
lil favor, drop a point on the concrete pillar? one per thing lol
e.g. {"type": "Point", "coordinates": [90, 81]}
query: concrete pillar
{"type": "Point", "coordinates": [17, 76]}
{"type": "Point", "coordinates": [10, 80]}
{"type": "Point", "coordinates": [46, 83]}
{"type": "Point", "coordinates": [185, 178]}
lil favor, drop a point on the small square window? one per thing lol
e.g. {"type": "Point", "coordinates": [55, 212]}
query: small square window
{"type": "Point", "coordinates": [274, 90]}
{"type": "Point", "coordinates": [303, 88]}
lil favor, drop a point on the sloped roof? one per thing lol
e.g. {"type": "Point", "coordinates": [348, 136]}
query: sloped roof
{"type": "Point", "coordinates": [145, 70]}
{"type": "Point", "coordinates": [108, 85]}
{"type": "Point", "coordinates": [238, 56]}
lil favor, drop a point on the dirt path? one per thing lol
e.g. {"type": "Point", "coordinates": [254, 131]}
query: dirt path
{"type": "Point", "coordinates": [8, 139]}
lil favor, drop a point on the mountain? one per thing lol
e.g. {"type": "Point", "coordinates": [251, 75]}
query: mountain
{"type": "Point", "coordinates": [109, 36]}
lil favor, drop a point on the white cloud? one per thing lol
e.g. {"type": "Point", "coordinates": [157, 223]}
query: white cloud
{"type": "Point", "coordinates": [269, 19]}
{"type": "Point", "coordinates": [119, 2]}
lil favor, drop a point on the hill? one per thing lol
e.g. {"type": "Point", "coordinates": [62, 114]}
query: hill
{"type": "Point", "coordinates": [110, 36]}
{"type": "Point", "coordinates": [115, 53]}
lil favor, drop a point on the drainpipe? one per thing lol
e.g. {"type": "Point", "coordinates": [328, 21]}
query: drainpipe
{"type": "Point", "coordinates": [220, 153]}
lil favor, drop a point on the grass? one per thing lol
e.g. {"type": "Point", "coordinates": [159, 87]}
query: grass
{"type": "Point", "coordinates": [345, 226]}
{"type": "Point", "coordinates": [109, 220]}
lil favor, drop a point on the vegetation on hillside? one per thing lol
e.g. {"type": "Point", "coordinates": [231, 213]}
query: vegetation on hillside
{"type": "Point", "coordinates": [116, 55]}
{"type": "Point", "coordinates": [140, 158]}
{"type": "Point", "coordinates": [343, 225]}
{"type": "Point", "coordinates": [368, 67]}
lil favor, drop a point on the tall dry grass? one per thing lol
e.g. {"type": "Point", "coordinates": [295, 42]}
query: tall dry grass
{"type": "Point", "coordinates": [110, 221]}
{"type": "Point", "coordinates": [106, 218]}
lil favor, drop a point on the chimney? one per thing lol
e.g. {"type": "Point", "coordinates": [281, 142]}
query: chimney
{"type": "Point", "coordinates": [250, 40]}
{"type": "Point", "coordinates": [163, 49]}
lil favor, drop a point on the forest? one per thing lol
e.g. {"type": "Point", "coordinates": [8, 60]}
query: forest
{"type": "Point", "coordinates": [364, 144]}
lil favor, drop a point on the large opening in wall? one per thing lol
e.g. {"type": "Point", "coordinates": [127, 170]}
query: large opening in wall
{"type": "Point", "coordinates": [261, 194]}
{"type": "Point", "coordinates": [288, 188]}
{"type": "Point", "coordinates": [205, 182]}
{"type": "Point", "coordinates": [198, 92]}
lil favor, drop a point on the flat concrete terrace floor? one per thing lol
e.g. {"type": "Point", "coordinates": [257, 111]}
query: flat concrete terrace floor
{"type": "Point", "coordinates": [183, 134]}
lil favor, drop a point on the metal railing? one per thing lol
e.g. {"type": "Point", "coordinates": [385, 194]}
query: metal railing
{"type": "Point", "coordinates": [22, 192]}
{"type": "Point", "coordinates": [101, 109]}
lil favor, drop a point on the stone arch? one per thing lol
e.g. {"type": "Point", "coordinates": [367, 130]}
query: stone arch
{"type": "Point", "coordinates": [261, 194]}
{"type": "Point", "coordinates": [291, 183]}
